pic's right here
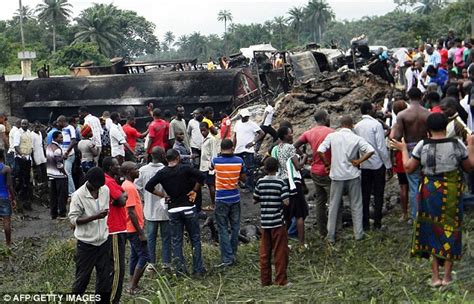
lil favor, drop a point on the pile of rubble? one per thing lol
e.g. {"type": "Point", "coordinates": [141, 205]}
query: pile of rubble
{"type": "Point", "coordinates": [338, 93]}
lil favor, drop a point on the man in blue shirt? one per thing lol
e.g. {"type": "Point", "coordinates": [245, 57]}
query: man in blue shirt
{"type": "Point", "coordinates": [437, 75]}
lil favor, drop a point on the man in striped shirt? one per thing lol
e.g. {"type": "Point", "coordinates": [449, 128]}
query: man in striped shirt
{"type": "Point", "coordinates": [272, 192]}
{"type": "Point", "coordinates": [229, 169]}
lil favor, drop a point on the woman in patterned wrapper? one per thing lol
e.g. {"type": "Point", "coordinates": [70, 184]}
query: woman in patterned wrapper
{"type": "Point", "coordinates": [437, 229]}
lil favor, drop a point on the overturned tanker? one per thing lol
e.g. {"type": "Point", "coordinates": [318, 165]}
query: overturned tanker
{"type": "Point", "coordinates": [128, 94]}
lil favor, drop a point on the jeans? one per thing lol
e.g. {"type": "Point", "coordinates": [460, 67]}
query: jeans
{"type": "Point", "coordinates": [413, 183]}
{"type": "Point", "coordinates": [373, 181]}
{"type": "Point", "coordinates": [186, 219]}
{"type": "Point", "coordinates": [165, 235]}
{"type": "Point", "coordinates": [87, 165]}
{"type": "Point", "coordinates": [322, 187]}
{"type": "Point", "coordinates": [68, 164]}
{"type": "Point", "coordinates": [228, 214]}
{"type": "Point", "coordinates": [57, 197]}
{"type": "Point", "coordinates": [355, 196]}
{"type": "Point", "coordinates": [249, 160]}
{"type": "Point", "coordinates": [138, 252]}
{"type": "Point", "coordinates": [87, 258]}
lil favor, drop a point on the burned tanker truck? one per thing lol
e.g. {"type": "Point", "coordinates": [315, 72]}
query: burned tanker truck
{"type": "Point", "coordinates": [142, 84]}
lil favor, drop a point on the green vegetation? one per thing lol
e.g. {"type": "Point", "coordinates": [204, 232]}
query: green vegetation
{"type": "Point", "coordinates": [376, 270]}
{"type": "Point", "coordinates": [117, 32]}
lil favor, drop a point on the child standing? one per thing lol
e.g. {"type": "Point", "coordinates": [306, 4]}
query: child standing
{"type": "Point", "coordinates": [7, 197]}
{"type": "Point", "coordinates": [272, 192]}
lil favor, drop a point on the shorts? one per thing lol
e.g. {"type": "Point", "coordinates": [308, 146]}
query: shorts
{"type": "Point", "coordinates": [5, 207]}
{"type": "Point", "coordinates": [402, 178]}
{"type": "Point", "coordinates": [210, 178]}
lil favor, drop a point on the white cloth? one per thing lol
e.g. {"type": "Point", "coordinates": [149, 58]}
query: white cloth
{"type": "Point", "coordinates": [11, 137]}
{"type": "Point", "coordinates": [372, 131]}
{"type": "Point", "coordinates": [194, 134]}
{"type": "Point", "coordinates": [412, 78]}
{"type": "Point", "coordinates": [434, 59]}
{"type": "Point", "coordinates": [96, 127]}
{"type": "Point", "coordinates": [69, 133]}
{"type": "Point", "coordinates": [108, 123]}
{"type": "Point", "coordinates": [154, 207]}
{"type": "Point", "coordinates": [401, 54]}
{"type": "Point", "coordinates": [245, 133]}
{"type": "Point", "coordinates": [83, 205]}
{"type": "Point", "coordinates": [269, 111]}
{"type": "Point", "coordinates": [208, 152]}
{"type": "Point", "coordinates": [117, 141]}
{"type": "Point", "coordinates": [38, 149]}
{"type": "Point", "coordinates": [345, 146]}
{"type": "Point", "coordinates": [467, 107]}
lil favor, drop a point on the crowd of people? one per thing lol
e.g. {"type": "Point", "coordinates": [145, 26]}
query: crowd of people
{"type": "Point", "coordinates": [111, 194]}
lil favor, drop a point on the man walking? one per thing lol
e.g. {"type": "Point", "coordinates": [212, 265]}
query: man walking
{"type": "Point", "coordinates": [118, 142]}
{"type": "Point", "coordinates": [181, 183]}
{"type": "Point", "coordinates": [320, 176]}
{"type": "Point", "coordinates": [58, 190]}
{"type": "Point", "coordinates": [155, 211]}
{"type": "Point", "coordinates": [345, 174]}
{"type": "Point", "coordinates": [88, 214]}
{"type": "Point", "coordinates": [373, 170]}
{"type": "Point", "coordinates": [229, 169]}
{"type": "Point", "coordinates": [411, 125]}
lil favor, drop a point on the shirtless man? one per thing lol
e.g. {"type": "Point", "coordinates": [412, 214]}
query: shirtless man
{"type": "Point", "coordinates": [411, 125]}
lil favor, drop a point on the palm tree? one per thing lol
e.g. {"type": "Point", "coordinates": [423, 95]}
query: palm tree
{"type": "Point", "coordinates": [182, 41]}
{"type": "Point", "coordinates": [53, 13]}
{"type": "Point", "coordinates": [169, 38]}
{"type": "Point", "coordinates": [224, 15]}
{"type": "Point", "coordinates": [28, 13]}
{"type": "Point", "coordinates": [97, 26]}
{"type": "Point", "coordinates": [318, 14]}
{"type": "Point", "coordinates": [427, 6]}
{"type": "Point", "coordinates": [280, 23]}
{"type": "Point", "coordinates": [296, 20]}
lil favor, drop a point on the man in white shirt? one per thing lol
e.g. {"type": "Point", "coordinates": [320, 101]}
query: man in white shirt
{"type": "Point", "coordinates": [246, 134]}
{"type": "Point", "coordinates": [23, 145]}
{"type": "Point", "coordinates": [344, 172]}
{"type": "Point", "coordinates": [401, 55]}
{"type": "Point", "coordinates": [195, 136]}
{"type": "Point", "coordinates": [39, 158]}
{"type": "Point", "coordinates": [266, 126]}
{"type": "Point", "coordinates": [11, 150]}
{"type": "Point", "coordinates": [466, 87]}
{"type": "Point", "coordinates": [155, 211]}
{"type": "Point", "coordinates": [373, 170]}
{"type": "Point", "coordinates": [118, 142]}
{"type": "Point", "coordinates": [69, 142]}
{"type": "Point", "coordinates": [96, 127]}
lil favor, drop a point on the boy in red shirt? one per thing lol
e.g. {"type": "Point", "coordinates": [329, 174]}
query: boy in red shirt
{"type": "Point", "coordinates": [158, 132]}
{"type": "Point", "coordinates": [135, 234]}
{"type": "Point", "coordinates": [132, 135]}
{"type": "Point", "coordinates": [117, 223]}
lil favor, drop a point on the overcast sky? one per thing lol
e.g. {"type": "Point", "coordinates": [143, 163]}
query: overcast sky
{"type": "Point", "coordinates": [186, 16]}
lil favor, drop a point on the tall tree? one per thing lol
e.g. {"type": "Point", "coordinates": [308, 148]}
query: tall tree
{"type": "Point", "coordinates": [425, 7]}
{"type": "Point", "coordinates": [226, 16]}
{"type": "Point", "coordinates": [99, 27]}
{"type": "Point", "coordinates": [280, 23]}
{"type": "Point", "coordinates": [296, 20]}
{"type": "Point", "coordinates": [54, 13]}
{"type": "Point", "coordinates": [318, 14]}
{"type": "Point", "coordinates": [169, 38]}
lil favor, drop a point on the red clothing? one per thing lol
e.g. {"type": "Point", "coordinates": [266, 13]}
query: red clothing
{"type": "Point", "coordinates": [132, 135]}
{"type": "Point", "coordinates": [158, 133]}
{"type": "Point", "coordinates": [444, 58]}
{"type": "Point", "coordinates": [398, 165]}
{"type": "Point", "coordinates": [436, 109]}
{"type": "Point", "coordinates": [133, 201]}
{"type": "Point", "coordinates": [315, 137]}
{"type": "Point", "coordinates": [117, 219]}
{"type": "Point", "coordinates": [226, 124]}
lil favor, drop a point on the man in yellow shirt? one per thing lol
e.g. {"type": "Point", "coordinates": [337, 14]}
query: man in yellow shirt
{"type": "Point", "coordinates": [208, 118]}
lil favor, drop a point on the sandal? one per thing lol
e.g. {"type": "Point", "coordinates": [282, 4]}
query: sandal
{"type": "Point", "coordinates": [208, 208]}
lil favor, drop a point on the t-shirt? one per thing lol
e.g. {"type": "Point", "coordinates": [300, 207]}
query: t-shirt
{"type": "Point", "coordinates": [116, 141]}
{"type": "Point", "coordinates": [117, 219]}
{"type": "Point", "coordinates": [227, 170]}
{"type": "Point", "coordinates": [96, 127]}
{"type": "Point", "coordinates": [270, 192]}
{"type": "Point", "coordinates": [69, 133]}
{"type": "Point", "coordinates": [179, 126]}
{"type": "Point", "coordinates": [444, 57]}
{"type": "Point", "coordinates": [158, 134]}
{"type": "Point", "coordinates": [177, 181]}
{"type": "Point", "coordinates": [269, 118]}
{"type": "Point", "coordinates": [440, 155]}
{"type": "Point", "coordinates": [441, 78]}
{"type": "Point", "coordinates": [54, 161]}
{"type": "Point", "coordinates": [195, 135]}
{"type": "Point", "coordinates": [459, 57]}
{"type": "Point", "coordinates": [245, 133]}
{"type": "Point", "coordinates": [314, 137]}
{"type": "Point", "coordinates": [284, 153]}
{"type": "Point", "coordinates": [132, 135]}
{"type": "Point", "coordinates": [226, 128]}
{"type": "Point", "coordinates": [208, 121]}
{"type": "Point", "coordinates": [85, 146]}
{"type": "Point", "coordinates": [133, 201]}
